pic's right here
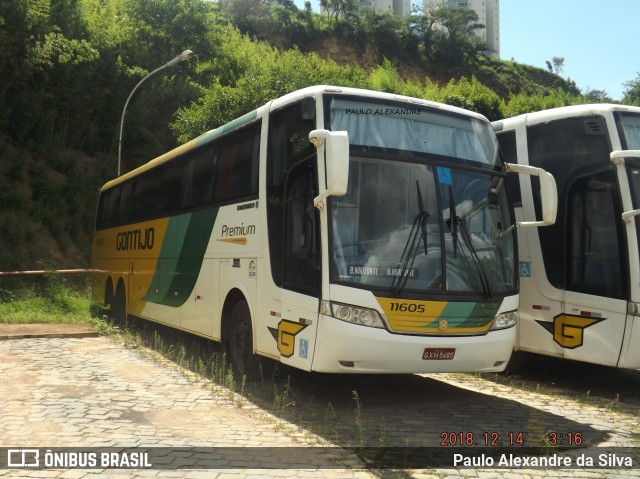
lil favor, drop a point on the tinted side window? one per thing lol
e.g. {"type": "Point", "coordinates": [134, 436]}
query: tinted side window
{"type": "Point", "coordinates": [158, 192]}
{"type": "Point", "coordinates": [221, 171]}
{"type": "Point", "coordinates": [236, 170]}
{"type": "Point", "coordinates": [108, 206]}
{"type": "Point", "coordinates": [198, 178]}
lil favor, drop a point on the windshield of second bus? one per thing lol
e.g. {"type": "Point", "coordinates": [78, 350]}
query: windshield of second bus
{"type": "Point", "coordinates": [629, 125]}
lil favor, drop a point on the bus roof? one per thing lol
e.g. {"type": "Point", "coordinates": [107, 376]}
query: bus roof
{"type": "Point", "coordinates": [551, 114]}
{"type": "Point", "coordinates": [339, 90]}
{"type": "Point", "coordinates": [312, 91]}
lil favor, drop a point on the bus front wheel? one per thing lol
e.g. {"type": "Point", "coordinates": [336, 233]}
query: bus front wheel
{"type": "Point", "coordinates": [240, 341]}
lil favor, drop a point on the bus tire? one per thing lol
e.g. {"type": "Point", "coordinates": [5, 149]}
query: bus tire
{"type": "Point", "coordinates": [109, 299]}
{"type": "Point", "coordinates": [516, 362]}
{"type": "Point", "coordinates": [240, 341]}
{"type": "Point", "coordinates": [120, 305]}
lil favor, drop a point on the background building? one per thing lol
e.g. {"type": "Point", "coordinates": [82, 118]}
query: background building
{"type": "Point", "coordinates": [401, 8]}
{"type": "Point", "coordinates": [488, 14]}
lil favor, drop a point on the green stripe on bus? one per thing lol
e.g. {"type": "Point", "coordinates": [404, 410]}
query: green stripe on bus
{"type": "Point", "coordinates": [467, 314]}
{"type": "Point", "coordinates": [181, 256]}
{"type": "Point", "coordinates": [213, 134]}
{"type": "Point", "coordinates": [483, 313]}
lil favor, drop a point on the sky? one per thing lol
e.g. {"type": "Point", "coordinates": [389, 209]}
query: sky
{"type": "Point", "coordinates": [597, 38]}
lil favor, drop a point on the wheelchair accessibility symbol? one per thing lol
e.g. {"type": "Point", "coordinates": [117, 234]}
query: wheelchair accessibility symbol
{"type": "Point", "coordinates": [525, 270]}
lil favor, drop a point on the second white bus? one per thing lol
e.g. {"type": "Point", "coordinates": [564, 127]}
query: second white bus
{"type": "Point", "coordinates": [580, 278]}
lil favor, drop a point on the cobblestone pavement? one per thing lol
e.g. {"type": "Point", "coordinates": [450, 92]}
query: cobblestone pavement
{"type": "Point", "coordinates": [94, 392]}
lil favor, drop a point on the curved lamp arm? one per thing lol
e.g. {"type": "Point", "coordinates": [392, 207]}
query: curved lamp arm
{"type": "Point", "coordinates": [185, 55]}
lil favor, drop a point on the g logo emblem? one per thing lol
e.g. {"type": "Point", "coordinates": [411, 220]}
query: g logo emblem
{"type": "Point", "coordinates": [287, 331]}
{"type": "Point", "coordinates": [568, 330]}
{"type": "Point", "coordinates": [443, 325]}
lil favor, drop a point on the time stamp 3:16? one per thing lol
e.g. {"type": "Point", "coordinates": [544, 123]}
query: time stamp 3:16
{"type": "Point", "coordinates": [489, 439]}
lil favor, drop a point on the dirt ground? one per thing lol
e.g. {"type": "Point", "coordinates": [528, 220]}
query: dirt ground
{"type": "Point", "coordinates": [10, 331]}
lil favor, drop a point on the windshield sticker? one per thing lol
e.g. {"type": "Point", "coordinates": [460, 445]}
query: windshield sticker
{"type": "Point", "coordinates": [444, 176]}
{"type": "Point", "coordinates": [358, 270]}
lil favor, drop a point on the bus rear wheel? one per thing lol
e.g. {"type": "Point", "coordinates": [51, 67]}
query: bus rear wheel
{"type": "Point", "coordinates": [119, 306]}
{"type": "Point", "coordinates": [240, 341]}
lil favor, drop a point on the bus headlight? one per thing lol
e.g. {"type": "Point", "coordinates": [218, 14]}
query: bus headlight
{"type": "Point", "coordinates": [505, 320]}
{"type": "Point", "coordinates": [353, 314]}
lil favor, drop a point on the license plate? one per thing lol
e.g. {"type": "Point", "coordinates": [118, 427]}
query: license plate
{"type": "Point", "coordinates": [438, 353]}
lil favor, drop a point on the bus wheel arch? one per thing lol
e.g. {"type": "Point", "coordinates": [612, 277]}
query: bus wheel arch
{"type": "Point", "coordinates": [237, 334]}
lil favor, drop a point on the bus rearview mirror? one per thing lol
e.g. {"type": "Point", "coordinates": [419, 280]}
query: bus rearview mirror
{"type": "Point", "coordinates": [548, 193]}
{"type": "Point", "coordinates": [333, 157]}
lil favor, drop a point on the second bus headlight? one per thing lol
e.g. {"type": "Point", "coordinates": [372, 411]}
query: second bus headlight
{"type": "Point", "coordinates": [353, 314]}
{"type": "Point", "coordinates": [505, 320]}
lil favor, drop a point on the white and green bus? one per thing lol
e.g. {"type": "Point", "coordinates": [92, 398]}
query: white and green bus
{"type": "Point", "coordinates": [333, 230]}
{"type": "Point", "coordinates": [580, 278]}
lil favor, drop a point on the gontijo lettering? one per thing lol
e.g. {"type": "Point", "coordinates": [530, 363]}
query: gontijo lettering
{"type": "Point", "coordinates": [135, 239]}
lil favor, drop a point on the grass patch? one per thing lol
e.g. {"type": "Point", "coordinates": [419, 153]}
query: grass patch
{"type": "Point", "coordinates": [50, 301]}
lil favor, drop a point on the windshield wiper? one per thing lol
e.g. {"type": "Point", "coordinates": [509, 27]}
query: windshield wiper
{"type": "Point", "coordinates": [408, 258]}
{"type": "Point", "coordinates": [454, 222]}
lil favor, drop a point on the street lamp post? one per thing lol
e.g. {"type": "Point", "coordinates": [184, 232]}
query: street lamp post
{"type": "Point", "coordinates": [185, 55]}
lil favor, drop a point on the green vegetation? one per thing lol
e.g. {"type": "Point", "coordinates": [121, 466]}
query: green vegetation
{"type": "Point", "coordinates": [67, 67]}
{"type": "Point", "coordinates": [52, 301]}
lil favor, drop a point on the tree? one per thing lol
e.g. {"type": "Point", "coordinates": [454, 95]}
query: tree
{"type": "Point", "coordinates": [632, 91]}
{"type": "Point", "coordinates": [339, 9]}
{"type": "Point", "coordinates": [422, 27]}
{"type": "Point", "coordinates": [556, 65]}
{"type": "Point", "coordinates": [598, 96]}
{"type": "Point", "coordinates": [39, 65]}
{"type": "Point", "coordinates": [448, 35]}
{"type": "Point", "coordinates": [247, 15]}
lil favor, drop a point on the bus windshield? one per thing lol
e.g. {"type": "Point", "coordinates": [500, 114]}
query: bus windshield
{"type": "Point", "coordinates": [630, 130]}
{"type": "Point", "coordinates": [415, 128]}
{"type": "Point", "coordinates": [418, 225]}
{"type": "Point", "coordinates": [629, 125]}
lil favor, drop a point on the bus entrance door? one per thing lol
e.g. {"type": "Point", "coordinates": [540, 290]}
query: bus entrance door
{"type": "Point", "coordinates": [591, 328]}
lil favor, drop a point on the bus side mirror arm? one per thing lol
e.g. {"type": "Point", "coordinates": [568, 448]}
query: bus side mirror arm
{"type": "Point", "coordinates": [333, 158]}
{"type": "Point", "coordinates": [618, 157]}
{"type": "Point", "coordinates": [548, 193]}
{"type": "Point", "coordinates": [628, 216]}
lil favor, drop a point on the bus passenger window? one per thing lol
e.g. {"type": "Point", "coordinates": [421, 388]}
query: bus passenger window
{"type": "Point", "coordinates": [236, 174]}
{"type": "Point", "coordinates": [198, 179]}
